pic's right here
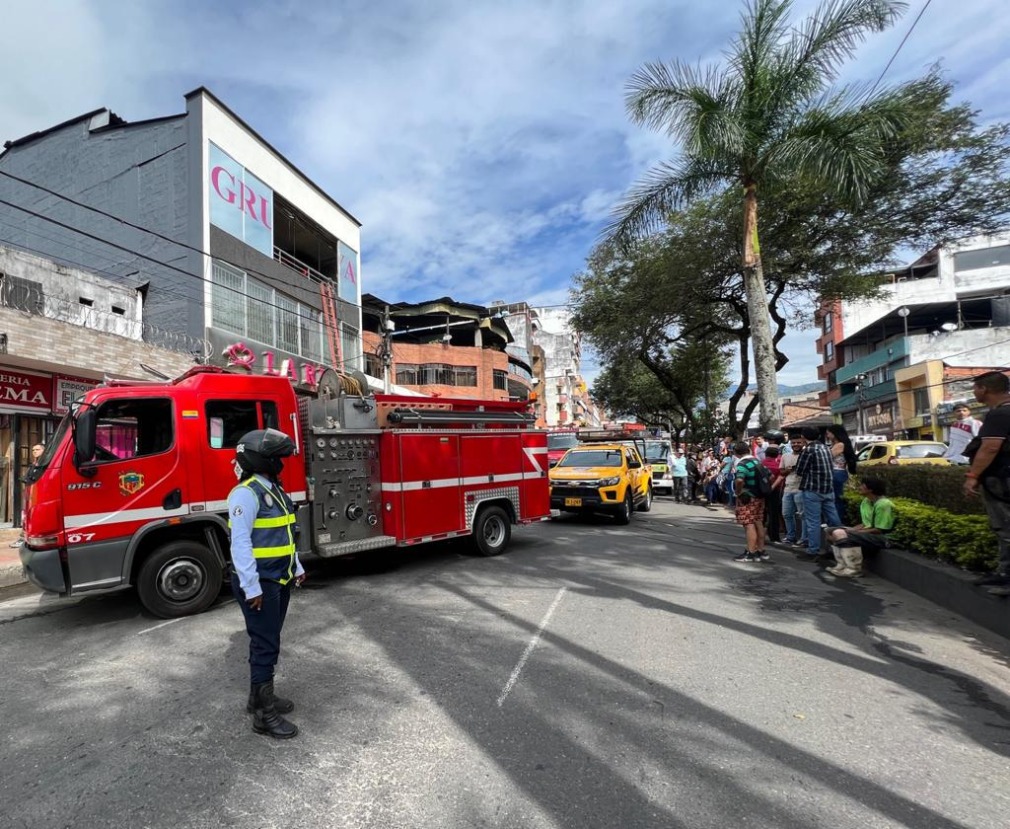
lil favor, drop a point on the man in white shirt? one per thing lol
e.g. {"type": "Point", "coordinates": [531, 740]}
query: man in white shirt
{"type": "Point", "coordinates": [962, 431]}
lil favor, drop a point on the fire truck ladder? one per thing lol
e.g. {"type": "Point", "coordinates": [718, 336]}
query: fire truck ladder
{"type": "Point", "coordinates": [330, 324]}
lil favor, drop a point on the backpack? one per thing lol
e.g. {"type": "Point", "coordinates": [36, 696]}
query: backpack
{"type": "Point", "coordinates": [762, 480]}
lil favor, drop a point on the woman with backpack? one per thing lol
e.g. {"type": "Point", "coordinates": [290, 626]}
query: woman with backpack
{"type": "Point", "coordinates": [751, 483]}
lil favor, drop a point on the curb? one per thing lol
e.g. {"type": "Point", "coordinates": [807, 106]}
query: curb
{"type": "Point", "coordinates": [12, 575]}
{"type": "Point", "coordinates": [942, 584]}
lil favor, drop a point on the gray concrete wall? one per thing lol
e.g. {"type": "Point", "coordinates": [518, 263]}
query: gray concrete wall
{"type": "Point", "coordinates": [140, 173]}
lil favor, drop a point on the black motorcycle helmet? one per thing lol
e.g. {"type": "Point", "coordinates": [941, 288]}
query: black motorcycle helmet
{"type": "Point", "coordinates": [262, 450]}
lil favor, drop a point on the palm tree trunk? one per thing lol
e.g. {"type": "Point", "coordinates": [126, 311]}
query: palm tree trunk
{"type": "Point", "coordinates": [757, 309]}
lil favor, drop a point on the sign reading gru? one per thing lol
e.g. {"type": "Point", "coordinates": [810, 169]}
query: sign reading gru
{"type": "Point", "coordinates": [240, 203]}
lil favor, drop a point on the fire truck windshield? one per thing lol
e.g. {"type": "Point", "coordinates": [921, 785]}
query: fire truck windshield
{"type": "Point", "coordinates": [36, 469]}
{"type": "Point", "coordinates": [562, 440]}
{"type": "Point", "coordinates": [592, 457]}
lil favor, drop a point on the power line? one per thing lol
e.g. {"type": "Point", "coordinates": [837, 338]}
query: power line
{"type": "Point", "coordinates": [140, 255]}
{"type": "Point", "coordinates": [911, 28]}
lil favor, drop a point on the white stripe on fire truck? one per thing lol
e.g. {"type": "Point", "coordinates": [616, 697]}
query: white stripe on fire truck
{"type": "Point", "coordinates": [122, 516]}
{"type": "Point", "coordinates": [90, 519]}
{"type": "Point", "coordinates": [413, 486]}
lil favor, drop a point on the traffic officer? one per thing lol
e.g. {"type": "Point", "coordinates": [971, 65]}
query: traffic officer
{"type": "Point", "coordinates": [261, 519]}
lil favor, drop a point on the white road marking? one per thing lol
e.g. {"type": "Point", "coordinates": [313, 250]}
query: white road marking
{"type": "Point", "coordinates": [169, 622]}
{"type": "Point", "coordinates": [532, 644]}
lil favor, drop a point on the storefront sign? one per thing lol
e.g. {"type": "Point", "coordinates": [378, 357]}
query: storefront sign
{"type": "Point", "coordinates": [880, 418]}
{"type": "Point", "coordinates": [261, 359]}
{"type": "Point", "coordinates": [347, 273]}
{"type": "Point", "coordinates": [67, 389]}
{"type": "Point", "coordinates": [240, 203]}
{"type": "Point", "coordinates": [27, 392]}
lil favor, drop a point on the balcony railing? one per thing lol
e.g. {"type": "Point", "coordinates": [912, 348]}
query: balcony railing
{"type": "Point", "coordinates": [290, 261]}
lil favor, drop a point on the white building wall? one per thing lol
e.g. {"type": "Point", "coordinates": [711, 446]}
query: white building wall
{"type": "Point", "coordinates": [947, 286]}
{"type": "Point", "coordinates": [967, 347]}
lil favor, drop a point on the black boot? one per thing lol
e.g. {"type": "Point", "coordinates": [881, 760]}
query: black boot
{"type": "Point", "coordinates": [266, 720]}
{"type": "Point", "coordinates": [281, 705]}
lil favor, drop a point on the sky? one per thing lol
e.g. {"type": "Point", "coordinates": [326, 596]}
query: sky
{"type": "Point", "coordinates": [481, 144]}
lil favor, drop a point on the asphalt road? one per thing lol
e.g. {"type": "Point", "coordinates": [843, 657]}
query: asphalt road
{"type": "Point", "coordinates": [594, 676]}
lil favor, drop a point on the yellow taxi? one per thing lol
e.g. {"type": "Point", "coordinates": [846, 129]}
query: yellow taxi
{"type": "Point", "coordinates": [903, 452]}
{"type": "Point", "coordinates": [602, 477]}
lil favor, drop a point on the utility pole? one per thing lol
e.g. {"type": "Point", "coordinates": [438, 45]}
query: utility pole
{"type": "Point", "coordinates": [387, 350]}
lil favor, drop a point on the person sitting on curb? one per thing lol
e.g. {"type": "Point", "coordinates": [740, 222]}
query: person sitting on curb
{"type": "Point", "coordinates": [876, 514]}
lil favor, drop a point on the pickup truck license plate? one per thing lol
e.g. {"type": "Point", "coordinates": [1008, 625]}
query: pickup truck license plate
{"type": "Point", "coordinates": [573, 502]}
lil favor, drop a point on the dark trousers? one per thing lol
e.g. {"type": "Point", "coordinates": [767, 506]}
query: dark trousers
{"type": "Point", "coordinates": [773, 515]}
{"type": "Point", "coordinates": [264, 627]}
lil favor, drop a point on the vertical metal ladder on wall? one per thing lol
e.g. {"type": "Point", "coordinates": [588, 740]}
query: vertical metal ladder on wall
{"type": "Point", "coordinates": [331, 325]}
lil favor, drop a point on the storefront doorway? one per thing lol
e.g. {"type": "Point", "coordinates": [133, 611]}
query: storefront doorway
{"type": "Point", "coordinates": [18, 434]}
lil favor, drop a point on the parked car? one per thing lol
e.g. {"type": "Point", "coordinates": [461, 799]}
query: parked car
{"type": "Point", "coordinates": [903, 452]}
{"type": "Point", "coordinates": [602, 477]}
{"type": "Point", "coordinates": [658, 454]}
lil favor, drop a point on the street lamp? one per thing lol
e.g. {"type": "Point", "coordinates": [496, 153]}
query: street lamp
{"type": "Point", "coordinates": [903, 312]}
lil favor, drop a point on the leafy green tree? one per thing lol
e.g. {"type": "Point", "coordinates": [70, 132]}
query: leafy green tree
{"type": "Point", "coordinates": [766, 117]}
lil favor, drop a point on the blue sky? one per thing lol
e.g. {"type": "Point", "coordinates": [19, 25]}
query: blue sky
{"type": "Point", "coordinates": [481, 144]}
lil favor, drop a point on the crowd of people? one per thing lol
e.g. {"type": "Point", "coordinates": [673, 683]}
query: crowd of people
{"type": "Point", "coordinates": [789, 490]}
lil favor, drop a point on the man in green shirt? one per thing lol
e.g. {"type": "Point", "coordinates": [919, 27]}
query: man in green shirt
{"type": "Point", "coordinates": [876, 521]}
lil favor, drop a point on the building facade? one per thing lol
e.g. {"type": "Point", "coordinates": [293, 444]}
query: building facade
{"type": "Point", "coordinates": [62, 330]}
{"type": "Point", "coordinates": [946, 315]}
{"type": "Point", "coordinates": [235, 247]}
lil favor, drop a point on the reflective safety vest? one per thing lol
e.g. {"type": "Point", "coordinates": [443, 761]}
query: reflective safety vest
{"type": "Point", "coordinates": [273, 537]}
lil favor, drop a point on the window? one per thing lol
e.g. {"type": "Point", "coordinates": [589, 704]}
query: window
{"type": "Point", "coordinates": [829, 350]}
{"type": "Point", "coordinates": [828, 321]}
{"type": "Point", "coordinates": [350, 345]}
{"type": "Point", "coordinates": [287, 323]}
{"type": "Point", "coordinates": [407, 374]}
{"type": "Point", "coordinates": [23, 294]}
{"type": "Point", "coordinates": [133, 428]}
{"type": "Point", "coordinates": [229, 420]}
{"type": "Point", "coordinates": [974, 260]}
{"type": "Point", "coordinates": [500, 380]}
{"type": "Point", "coordinates": [373, 365]}
{"type": "Point", "coordinates": [921, 401]}
{"type": "Point", "coordinates": [243, 306]}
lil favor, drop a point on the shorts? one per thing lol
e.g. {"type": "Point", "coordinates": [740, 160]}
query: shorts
{"type": "Point", "coordinates": [753, 512]}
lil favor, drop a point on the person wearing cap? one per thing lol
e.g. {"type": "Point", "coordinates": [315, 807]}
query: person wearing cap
{"type": "Point", "coordinates": [261, 522]}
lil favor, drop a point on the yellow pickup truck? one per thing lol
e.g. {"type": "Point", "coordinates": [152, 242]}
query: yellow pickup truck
{"type": "Point", "coordinates": [602, 477]}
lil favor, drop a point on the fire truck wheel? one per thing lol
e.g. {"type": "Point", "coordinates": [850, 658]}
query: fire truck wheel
{"type": "Point", "coordinates": [624, 516]}
{"type": "Point", "coordinates": [179, 579]}
{"type": "Point", "coordinates": [491, 531]}
{"type": "Point", "coordinates": [646, 505]}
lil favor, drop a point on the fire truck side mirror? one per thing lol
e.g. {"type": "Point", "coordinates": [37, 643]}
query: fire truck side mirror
{"type": "Point", "coordinates": [84, 437]}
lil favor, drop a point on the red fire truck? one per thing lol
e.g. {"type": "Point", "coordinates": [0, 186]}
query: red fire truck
{"type": "Point", "coordinates": [133, 488]}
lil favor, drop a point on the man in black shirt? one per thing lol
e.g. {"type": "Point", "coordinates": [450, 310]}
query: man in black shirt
{"type": "Point", "coordinates": [989, 472]}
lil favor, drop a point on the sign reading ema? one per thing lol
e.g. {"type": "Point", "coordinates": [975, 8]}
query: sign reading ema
{"type": "Point", "coordinates": [240, 204]}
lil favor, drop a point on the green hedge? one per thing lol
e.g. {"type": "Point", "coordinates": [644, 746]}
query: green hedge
{"type": "Point", "coordinates": [938, 533]}
{"type": "Point", "coordinates": [938, 486]}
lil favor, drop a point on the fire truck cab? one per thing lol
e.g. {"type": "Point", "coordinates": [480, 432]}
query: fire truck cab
{"type": "Point", "coordinates": [133, 488]}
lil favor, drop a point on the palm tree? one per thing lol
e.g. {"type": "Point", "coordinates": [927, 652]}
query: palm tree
{"type": "Point", "coordinates": [766, 117]}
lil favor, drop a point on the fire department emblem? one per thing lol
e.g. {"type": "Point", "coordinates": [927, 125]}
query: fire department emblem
{"type": "Point", "coordinates": [130, 483]}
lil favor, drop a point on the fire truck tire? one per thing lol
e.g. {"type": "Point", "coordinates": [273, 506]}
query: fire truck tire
{"type": "Point", "coordinates": [492, 530]}
{"type": "Point", "coordinates": [646, 504]}
{"type": "Point", "coordinates": [627, 508]}
{"type": "Point", "coordinates": [179, 579]}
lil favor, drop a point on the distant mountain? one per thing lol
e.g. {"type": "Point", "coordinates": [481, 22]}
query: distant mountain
{"type": "Point", "coordinates": [790, 391]}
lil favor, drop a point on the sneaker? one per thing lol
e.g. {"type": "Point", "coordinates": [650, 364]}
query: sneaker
{"type": "Point", "coordinates": [849, 573]}
{"type": "Point", "coordinates": [835, 570]}
{"type": "Point", "coordinates": [788, 541]}
{"type": "Point", "coordinates": [992, 578]}
{"type": "Point", "coordinates": [762, 555]}
{"type": "Point", "coordinates": [800, 543]}
{"type": "Point", "coordinates": [746, 556]}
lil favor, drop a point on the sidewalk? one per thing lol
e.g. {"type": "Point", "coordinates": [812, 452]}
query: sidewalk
{"type": "Point", "coordinates": [11, 572]}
